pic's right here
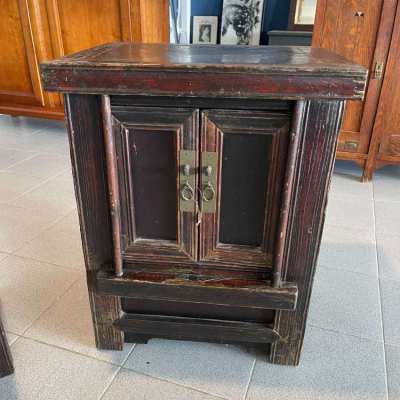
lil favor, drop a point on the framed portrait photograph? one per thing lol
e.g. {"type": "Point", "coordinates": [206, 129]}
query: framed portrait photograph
{"type": "Point", "coordinates": [205, 30]}
{"type": "Point", "coordinates": [241, 21]}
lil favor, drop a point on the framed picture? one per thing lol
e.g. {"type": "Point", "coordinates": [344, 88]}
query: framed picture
{"type": "Point", "coordinates": [205, 30]}
{"type": "Point", "coordinates": [302, 15]}
{"type": "Point", "coordinates": [241, 21]}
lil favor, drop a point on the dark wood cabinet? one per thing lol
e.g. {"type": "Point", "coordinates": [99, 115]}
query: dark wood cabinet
{"type": "Point", "coordinates": [201, 175]}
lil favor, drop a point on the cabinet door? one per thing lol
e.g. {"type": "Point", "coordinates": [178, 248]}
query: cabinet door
{"type": "Point", "coordinates": [243, 157]}
{"type": "Point", "coordinates": [153, 145]}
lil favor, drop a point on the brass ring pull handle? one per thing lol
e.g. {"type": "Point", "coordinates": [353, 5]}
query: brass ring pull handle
{"type": "Point", "coordinates": [208, 192]}
{"type": "Point", "coordinates": [187, 192]}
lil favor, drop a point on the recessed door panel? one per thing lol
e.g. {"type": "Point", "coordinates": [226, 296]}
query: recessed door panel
{"type": "Point", "coordinates": [243, 190]}
{"type": "Point", "coordinates": [250, 149]}
{"type": "Point", "coordinates": [149, 143]}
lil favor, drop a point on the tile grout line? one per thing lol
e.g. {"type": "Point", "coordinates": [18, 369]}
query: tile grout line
{"type": "Point", "coordinates": [34, 187]}
{"type": "Point", "coordinates": [35, 154]}
{"type": "Point", "coordinates": [246, 392]}
{"type": "Point", "coordinates": [50, 305]}
{"type": "Point", "coordinates": [110, 383]}
{"type": "Point", "coordinates": [345, 334]}
{"type": "Point", "coordinates": [363, 274]}
{"type": "Point", "coordinates": [46, 228]}
{"type": "Point", "coordinates": [81, 269]}
{"type": "Point", "coordinates": [175, 383]}
{"type": "Point", "coordinates": [380, 297]}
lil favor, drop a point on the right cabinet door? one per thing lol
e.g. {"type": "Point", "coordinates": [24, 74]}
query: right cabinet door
{"type": "Point", "coordinates": [243, 158]}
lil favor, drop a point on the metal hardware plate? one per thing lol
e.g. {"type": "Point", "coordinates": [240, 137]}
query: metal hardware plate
{"type": "Point", "coordinates": [187, 180]}
{"type": "Point", "coordinates": [209, 171]}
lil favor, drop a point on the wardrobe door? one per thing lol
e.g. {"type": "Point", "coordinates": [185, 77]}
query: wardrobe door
{"type": "Point", "coordinates": [387, 124]}
{"type": "Point", "coordinates": [357, 30]}
{"type": "Point", "coordinates": [157, 163]}
{"type": "Point", "coordinates": [243, 157]}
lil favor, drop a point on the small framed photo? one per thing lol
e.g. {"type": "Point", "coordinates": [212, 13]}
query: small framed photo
{"type": "Point", "coordinates": [205, 30]}
{"type": "Point", "coordinates": [241, 21]}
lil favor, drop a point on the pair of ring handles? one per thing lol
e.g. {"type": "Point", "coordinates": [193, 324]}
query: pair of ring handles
{"type": "Point", "coordinates": [187, 191]}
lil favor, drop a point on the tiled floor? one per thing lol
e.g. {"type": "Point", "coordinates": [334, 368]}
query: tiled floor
{"type": "Point", "coordinates": [352, 345]}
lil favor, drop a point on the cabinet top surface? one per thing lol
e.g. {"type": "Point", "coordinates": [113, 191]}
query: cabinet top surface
{"type": "Point", "coordinates": [218, 58]}
{"type": "Point", "coordinates": [279, 72]}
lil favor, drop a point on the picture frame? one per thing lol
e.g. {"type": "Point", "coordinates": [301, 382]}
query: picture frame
{"type": "Point", "coordinates": [205, 30]}
{"type": "Point", "coordinates": [302, 15]}
{"type": "Point", "coordinates": [241, 22]}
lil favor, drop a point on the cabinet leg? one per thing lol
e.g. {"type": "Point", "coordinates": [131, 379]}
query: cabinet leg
{"type": "Point", "coordinates": [318, 137]}
{"type": "Point", "coordinates": [105, 309]}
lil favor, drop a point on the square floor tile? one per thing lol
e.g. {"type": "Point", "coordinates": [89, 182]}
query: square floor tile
{"type": "Point", "coordinates": [13, 157]}
{"type": "Point", "coordinates": [390, 293]}
{"type": "Point", "coordinates": [27, 288]}
{"type": "Point", "coordinates": [42, 166]}
{"type": "Point", "coordinates": [129, 385]}
{"type": "Point", "coordinates": [387, 216]}
{"type": "Point", "coordinates": [57, 245]}
{"type": "Point", "coordinates": [332, 367]}
{"type": "Point", "coordinates": [346, 185]}
{"type": "Point", "coordinates": [43, 373]}
{"type": "Point", "coordinates": [13, 185]}
{"type": "Point", "coordinates": [348, 249]}
{"type": "Point", "coordinates": [217, 369]}
{"type": "Point", "coordinates": [389, 257]}
{"type": "Point", "coordinates": [351, 214]}
{"type": "Point", "coordinates": [20, 225]}
{"type": "Point", "coordinates": [346, 302]}
{"type": "Point", "coordinates": [56, 196]}
{"type": "Point", "coordinates": [68, 324]}
{"type": "Point", "coordinates": [393, 371]}
{"type": "Point", "coordinates": [387, 184]}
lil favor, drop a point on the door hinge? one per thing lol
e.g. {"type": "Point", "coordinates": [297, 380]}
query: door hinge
{"type": "Point", "coordinates": [378, 70]}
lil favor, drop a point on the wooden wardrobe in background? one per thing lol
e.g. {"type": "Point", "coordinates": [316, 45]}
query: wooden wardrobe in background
{"type": "Point", "coordinates": [367, 32]}
{"type": "Point", "coordinates": [33, 31]}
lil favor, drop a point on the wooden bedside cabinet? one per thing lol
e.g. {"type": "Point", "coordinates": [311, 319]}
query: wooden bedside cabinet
{"type": "Point", "coordinates": [201, 175]}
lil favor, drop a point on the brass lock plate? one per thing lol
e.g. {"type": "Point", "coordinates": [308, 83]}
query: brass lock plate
{"type": "Point", "coordinates": [187, 181]}
{"type": "Point", "coordinates": [208, 189]}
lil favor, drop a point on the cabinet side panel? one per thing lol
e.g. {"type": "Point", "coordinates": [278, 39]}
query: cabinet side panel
{"type": "Point", "coordinates": [88, 165]}
{"type": "Point", "coordinates": [320, 127]}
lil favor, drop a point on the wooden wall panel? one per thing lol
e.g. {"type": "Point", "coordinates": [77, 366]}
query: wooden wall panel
{"type": "Point", "coordinates": [152, 17]}
{"type": "Point", "coordinates": [32, 31]}
{"type": "Point", "coordinates": [83, 24]}
{"type": "Point", "coordinates": [19, 77]}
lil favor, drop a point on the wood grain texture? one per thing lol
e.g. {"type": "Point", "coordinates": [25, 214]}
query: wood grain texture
{"type": "Point", "coordinates": [179, 285]}
{"type": "Point", "coordinates": [182, 126]}
{"type": "Point", "coordinates": [6, 363]}
{"type": "Point", "coordinates": [217, 126]}
{"type": "Point", "coordinates": [385, 145]}
{"type": "Point", "coordinates": [211, 71]}
{"type": "Point", "coordinates": [314, 165]}
{"type": "Point", "coordinates": [34, 31]}
{"type": "Point", "coordinates": [89, 171]}
{"type": "Point", "coordinates": [364, 39]}
{"type": "Point", "coordinates": [184, 328]}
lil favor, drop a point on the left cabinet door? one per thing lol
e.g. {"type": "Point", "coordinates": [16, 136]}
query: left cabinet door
{"type": "Point", "coordinates": [157, 164]}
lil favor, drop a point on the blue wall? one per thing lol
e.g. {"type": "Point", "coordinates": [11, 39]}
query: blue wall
{"type": "Point", "coordinates": [276, 13]}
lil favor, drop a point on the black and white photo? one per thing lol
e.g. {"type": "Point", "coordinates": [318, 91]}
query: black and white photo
{"type": "Point", "coordinates": [205, 30]}
{"type": "Point", "coordinates": [241, 21]}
